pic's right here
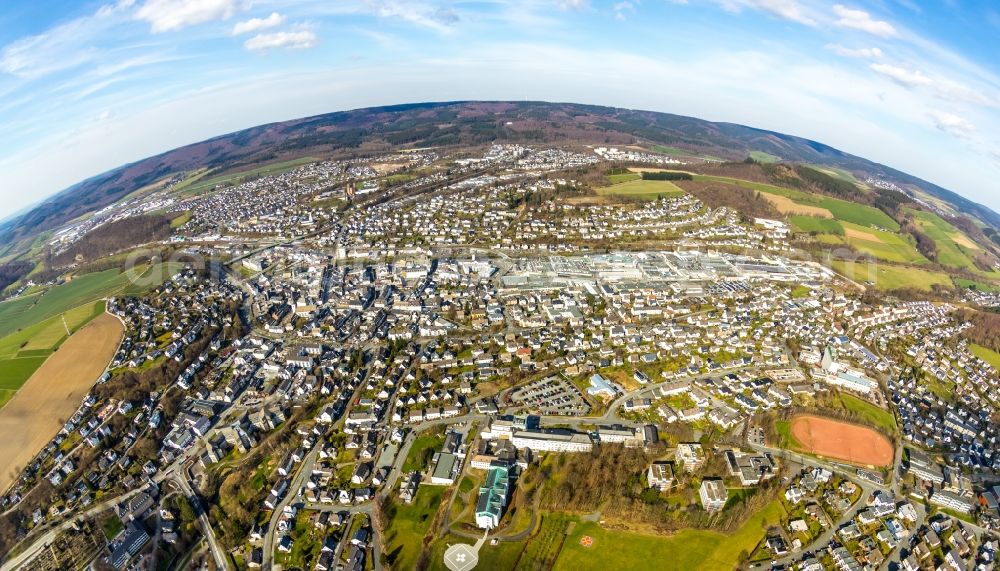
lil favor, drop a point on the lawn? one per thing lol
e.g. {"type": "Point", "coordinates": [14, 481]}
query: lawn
{"type": "Point", "coordinates": [816, 224]}
{"type": "Point", "coordinates": [112, 526]}
{"type": "Point", "coordinates": [687, 550]}
{"type": "Point", "coordinates": [786, 439]}
{"type": "Point", "coordinates": [408, 523]}
{"type": "Point", "coordinates": [986, 354]}
{"type": "Point", "coordinates": [870, 413]}
{"type": "Point", "coordinates": [421, 452]}
{"type": "Point", "coordinates": [644, 189]}
{"type": "Point", "coordinates": [888, 277]}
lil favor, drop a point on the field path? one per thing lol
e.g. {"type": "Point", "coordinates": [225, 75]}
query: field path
{"type": "Point", "coordinates": [53, 393]}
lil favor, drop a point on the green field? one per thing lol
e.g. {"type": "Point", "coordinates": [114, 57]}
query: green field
{"type": "Point", "coordinates": [888, 277]}
{"type": "Point", "coordinates": [786, 439]}
{"type": "Point", "coordinates": [948, 240]}
{"type": "Point", "coordinates": [623, 177]}
{"type": "Point", "coordinates": [842, 210]}
{"type": "Point", "coordinates": [421, 451]}
{"type": "Point", "coordinates": [986, 354]}
{"type": "Point", "coordinates": [679, 152]}
{"type": "Point", "coordinates": [25, 311]}
{"type": "Point", "coordinates": [869, 413]}
{"type": "Point", "coordinates": [644, 189]}
{"type": "Point", "coordinates": [408, 524]}
{"type": "Point", "coordinates": [836, 173]}
{"type": "Point", "coordinates": [181, 219]}
{"type": "Point", "coordinates": [981, 286]}
{"type": "Point", "coordinates": [14, 372]}
{"type": "Point", "coordinates": [816, 224]}
{"type": "Point", "coordinates": [24, 351]}
{"type": "Point", "coordinates": [882, 245]}
{"type": "Point", "coordinates": [687, 550]}
{"type": "Point", "coordinates": [200, 186]}
{"type": "Point", "coordinates": [762, 157]}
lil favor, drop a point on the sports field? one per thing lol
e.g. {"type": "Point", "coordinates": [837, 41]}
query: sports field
{"type": "Point", "coordinates": [841, 440]}
{"type": "Point", "coordinates": [36, 413]}
{"type": "Point", "coordinates": [645, 189]}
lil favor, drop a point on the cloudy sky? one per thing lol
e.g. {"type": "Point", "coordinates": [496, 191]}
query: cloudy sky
{"type": "Point", "coordinates": [913, 84]}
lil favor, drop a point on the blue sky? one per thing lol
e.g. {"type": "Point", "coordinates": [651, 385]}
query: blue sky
{"type": "Point", "coordinates": [83, 89]}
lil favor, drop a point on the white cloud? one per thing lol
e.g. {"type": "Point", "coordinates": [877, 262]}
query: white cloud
{"type": "Point", "coordinates": [865, 53]}
{"type": "Point", "coordinates": [573, 4]}
{"type": "Point", "coordinates": [786, 9]}
{"type": "Point", "coordinates": [901, 75]}
{"type": "Point", "coordinates": [292, 40]}
{"type": "Point", "coordinates": [623, 7]}
{"type": "Point", "coordinates": [861, 20]}
{"type": "Point", "coordinates": [170, 15]}
{"type": "Point", "coordinates": [430, 16]}
{"type": "Point", "coordinates": [952, 124]}
{"type": "Point", "coordinates": [258, 24]}
{"type": "Point", "coordinates": [61, 47]}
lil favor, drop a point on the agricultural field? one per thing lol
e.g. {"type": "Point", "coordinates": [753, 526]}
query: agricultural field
{"type": "Point", "coordinates": [27, 310]}
{"type": "Point", "coordinates": [836, 173]}
{"type": "Point", "coordinates": [816, 224]}
{"type": "Point", "coordinates": [882, 245]}
{"type": "Point", "coordinates": [954, 247]}
{"type": "Point", "coordinates": [686, 550]}
{"type": "Point", "coordinates": [886, 277]}
{"type": "Point", "coordinates": [981, 286]}
{"type": "Point", "coordinates": [623, 177]}
{"type": "Point", "coordinates": [644, 189]}
{"type": "Point", "coordinates": [53, 392]}
{"type": "Point", "coordinates": [809, 204]}
{"type": "Point", "coordinates": [762, 157]}
{"type": "Point", "coordinates": [679, 152]}
{"type": "Point", "coordinates": [199, 186]}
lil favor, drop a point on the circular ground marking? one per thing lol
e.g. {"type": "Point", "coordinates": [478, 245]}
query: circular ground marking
{"type": "Point", "coordinates": [586, 541]}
